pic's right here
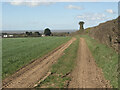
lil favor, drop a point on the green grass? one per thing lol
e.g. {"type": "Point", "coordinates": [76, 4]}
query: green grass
{"type": "Point", "coordinates": [106, 58]}
{"type": "Point", "coordinates": [63, 66]}
{"type": "Point", "coordinates": [17, 52]}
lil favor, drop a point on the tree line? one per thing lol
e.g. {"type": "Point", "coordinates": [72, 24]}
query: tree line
{"type": "Point", "coordinates": [47, 32]}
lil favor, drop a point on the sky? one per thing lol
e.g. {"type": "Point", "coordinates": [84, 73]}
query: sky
{"type": "Point", "coordinates": [56, 15]}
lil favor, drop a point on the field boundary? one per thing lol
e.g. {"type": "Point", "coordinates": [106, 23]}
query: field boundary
{"type": "Point", "coordinates": [28, 66]}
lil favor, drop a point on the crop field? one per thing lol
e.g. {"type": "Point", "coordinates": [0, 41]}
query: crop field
{"type": "Point", "coordinates": [17, 52]}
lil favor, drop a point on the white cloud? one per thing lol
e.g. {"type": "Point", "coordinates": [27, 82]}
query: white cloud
{"type": "Point", "coordinates": [48, 2]}
{"type": "Point", "coordinates": [17, 2]}
{"type": "Point", "coordinates": [110, 11]}
{"type": "Point", "coordinates": [93, 17]}
{"type": "Point", "coordinates": [74, 7]}
{"type": "Point", "coordinates": [32, 3]}
{"type": "Point", "coordinates": [66, 0]}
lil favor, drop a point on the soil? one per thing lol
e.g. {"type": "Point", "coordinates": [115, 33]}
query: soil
{"type": "Point", "coordinates": [86, 73]}
{"type": "Point", "coordinates": [30, 74]}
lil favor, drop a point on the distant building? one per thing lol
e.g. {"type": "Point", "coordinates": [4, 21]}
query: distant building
{"type": "Point", "coordinates": [81, 23]}
{"type": "Point", "coordinates": [5, 36]}
{"type": "Point", "coordinates": [10, 35]}
{"type": "Point", "coordinates": [43, 35]}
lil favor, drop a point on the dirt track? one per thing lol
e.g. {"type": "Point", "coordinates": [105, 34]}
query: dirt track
{"type": "Point", "coordinates": [86, 74]}
{"type": "Point", "coordinates": [32, 73]}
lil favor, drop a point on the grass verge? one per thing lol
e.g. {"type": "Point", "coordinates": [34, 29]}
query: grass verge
{"type": "Point", "coordinates": [60, 70]}
{"type": "Point", "coordinates": [106, 58]}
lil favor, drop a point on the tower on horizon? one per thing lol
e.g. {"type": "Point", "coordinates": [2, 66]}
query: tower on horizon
{"type": "Point", "coordinates": [81, 23]}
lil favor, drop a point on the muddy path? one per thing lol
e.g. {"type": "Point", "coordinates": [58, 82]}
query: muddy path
{"type": "Point", "coordinates": [86, 74]}
{"type": "Point", "coordinates": [30, 74]}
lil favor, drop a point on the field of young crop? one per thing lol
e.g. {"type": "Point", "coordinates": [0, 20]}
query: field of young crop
{"type": "Point", "coordinates": [17, 52]}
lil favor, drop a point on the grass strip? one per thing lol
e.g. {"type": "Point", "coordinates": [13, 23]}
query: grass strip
{"type": "Point", "coordinates": [60, 70]}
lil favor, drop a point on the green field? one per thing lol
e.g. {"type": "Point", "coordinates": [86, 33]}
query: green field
{"type": "Point", "coordinates": [106, 58]}
{"type": "Point", "coordinates": [17, 52]}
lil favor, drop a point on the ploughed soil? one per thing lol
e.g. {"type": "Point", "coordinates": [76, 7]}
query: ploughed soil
{"type": "Point", "coordinates": [30, 74]}
{"type": "Point", "coordinates": [86, 74]}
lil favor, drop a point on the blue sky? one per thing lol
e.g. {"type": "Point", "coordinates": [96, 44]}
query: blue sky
{"type": "Point", "coordinates": [56, 16]}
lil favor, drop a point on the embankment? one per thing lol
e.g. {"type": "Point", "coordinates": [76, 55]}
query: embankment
{"type": "Point", "coordinates": [107, 33]}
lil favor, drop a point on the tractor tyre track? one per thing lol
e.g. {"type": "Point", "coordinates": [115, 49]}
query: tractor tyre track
{"type": "Point", "coordinates": [86, 73]}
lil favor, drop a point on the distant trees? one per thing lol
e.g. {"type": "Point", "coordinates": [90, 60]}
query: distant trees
{"type": "Point", "coordinates": [61, 33]}
{"type": "Point", "coordinates": [47, 32]}
{"type": "Point", "coordinates": [27, 33]}
{"type": "Point", "coordinates": [30, 33]}
{"type": "Point", "coordinates": [35, 34]}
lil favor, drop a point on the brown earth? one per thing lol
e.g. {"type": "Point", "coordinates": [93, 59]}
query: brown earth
{"type": "Point", "coordinates": [29, 75]}
{"type": "Point", "coordinates": [86, 73]}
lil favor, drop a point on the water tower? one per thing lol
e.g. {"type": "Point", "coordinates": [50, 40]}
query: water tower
{"type": "Point", "coordinates": [81, 25]}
